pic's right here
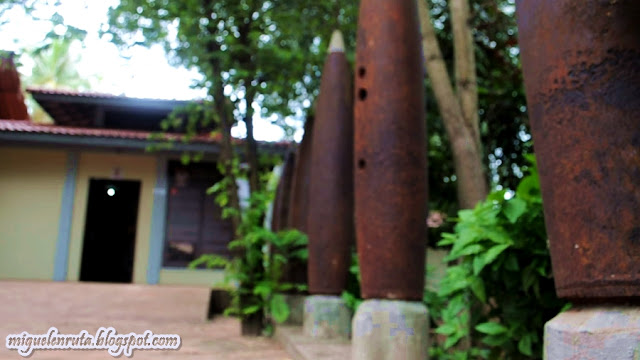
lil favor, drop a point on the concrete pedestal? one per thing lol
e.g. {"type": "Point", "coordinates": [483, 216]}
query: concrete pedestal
{"type": "Point", "coordinates": [390, 329]}
{"type": "Point", "coordinates": [296, 305]}
{"type": "Point", "coordinates": [594, 333]}
{"type": "Point", "coordinates": [326, 317]}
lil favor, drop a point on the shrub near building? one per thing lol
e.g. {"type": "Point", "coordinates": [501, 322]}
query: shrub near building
{"type": "Point", "coordinates": [501, 270]}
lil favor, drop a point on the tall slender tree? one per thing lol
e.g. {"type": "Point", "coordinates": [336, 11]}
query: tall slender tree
{"type": "Point", "coordinates": [458, 105]}
{"type": "Point", "coordinates": [250, 52]}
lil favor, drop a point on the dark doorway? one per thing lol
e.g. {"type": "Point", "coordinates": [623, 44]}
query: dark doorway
{"type": "Point", "coordinates": [110, 231]}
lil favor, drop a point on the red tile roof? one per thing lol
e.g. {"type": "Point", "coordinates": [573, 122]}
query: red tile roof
{"type": "Point", "coordinates": [14, 126]}
{"type": "Point", "coordinates": [98, 96]}
{"type": "Point", "coordinates": [81, 109]}
{"type": "Point", "coordinates": [21, 126]}
{"type": "Point", "coordinates": [30, 127]}
{"type": "Point", "coordinates": [39, 90]}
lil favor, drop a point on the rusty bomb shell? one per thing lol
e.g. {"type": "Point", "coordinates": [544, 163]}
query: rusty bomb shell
{"type": "Point", "coordinates": [299, 198]}
{"type": "Point", "coordinates": [330, 215]}
{"type": "Point", "coordinates": [296, 271]}
{"type": "Point", "coordinates": [390, 151]}
{"type": "Point", "coordinates": [581, 62]}
{"type": "Point", "coordinates": [283, 193]}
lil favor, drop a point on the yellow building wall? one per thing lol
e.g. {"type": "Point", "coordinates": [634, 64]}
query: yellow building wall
{"type": "Point", "coordinates": [192, 277]}
{"type": "Point", "coordinates": [95, 165]}
{"type": "Point", "coordinates": [31, 187]}
{"type": "Point", "coordinates": [31, 184]}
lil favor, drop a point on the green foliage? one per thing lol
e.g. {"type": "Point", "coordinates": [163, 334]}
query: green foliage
{"type": "Point", "coordinates": [500, 289]}
{"type": "Point", "coordinates": [183, 124]}
{"type": "Point", "coordinates": [268, 52]}
{"type": "Point", "coordinates": [254, 278]}
{"type": "Point", "coordinates": [501, 104]}
{"type": "Point", "coordinates": [351, 295]}
{"type": "Point", "coordinates": [54, 67]}
{"type": "Point", "coordinates": [254, 274]}
{"type": "Point", "coordinates": [6, 5]}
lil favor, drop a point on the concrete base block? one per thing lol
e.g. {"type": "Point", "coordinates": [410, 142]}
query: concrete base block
{"type": "Point", "coordinates": [326, 317]}
{"type": "Point", "coordinates": [390, 330]}
{"type": "Point", "coordinates": [594, 333]}
{"type": "Point", "coordinates": [296, 305]}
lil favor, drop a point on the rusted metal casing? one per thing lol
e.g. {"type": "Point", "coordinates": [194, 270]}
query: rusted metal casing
{"type": "Point", "coordinates": [283, 192]}
{"type": "Point", "coordinates": [330, 216]}
{"type": "Point", "coordinates": [299, 200]}
{"type": "Point", "coordinates": [581, 62]}
{"type": "Point", "coordinates": [390, 151]}
{"type": "Point", "coordinates": [12, 105]}
{"type": "Point", "coordinates": [296, 271]}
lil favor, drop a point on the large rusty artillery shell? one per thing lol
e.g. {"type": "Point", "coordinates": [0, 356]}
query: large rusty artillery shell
{"type": "Point", "coordinates": [330, 215]}
{"type": "Point", "coordinates": [581, 62]}
{"type": "Point", "coordinates": [296, 271]}
{"type": "Point", "coordinates": [390, 151]}
{"type": "Point", "coordinates": [283, 194]}
{"type": "Point", "coordinates": [299, 199]}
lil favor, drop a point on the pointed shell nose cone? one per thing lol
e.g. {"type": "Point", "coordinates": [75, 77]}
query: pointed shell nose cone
{"type": "Point", "coordinates": [337, 42]}
{"type": "Point", "coordinates": [330, 215]}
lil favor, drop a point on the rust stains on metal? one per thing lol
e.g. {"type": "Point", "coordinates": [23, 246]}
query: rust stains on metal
{"type": "Point", "coordinates": [12, 106]}
{"type": "Point", "coordinates": [283, 192]}
{"type": "Point", "coordinates": [581, 62]}
{"type": "Point", "coordinates": [296, 272]}
{"type": "Point", "coordinates": [330, 216]}
{"type": "Point", "coordinates": [299, 200]}
{"type": "Point", "coordinates": [390, 151]}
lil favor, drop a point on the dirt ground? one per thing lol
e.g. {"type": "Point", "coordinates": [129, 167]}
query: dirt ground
{"type": "Point", "coordinates": [34, 307]}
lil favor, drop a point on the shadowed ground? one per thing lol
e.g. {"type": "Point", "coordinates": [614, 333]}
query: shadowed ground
{"type": "Point", "coordinates": [71, 307]}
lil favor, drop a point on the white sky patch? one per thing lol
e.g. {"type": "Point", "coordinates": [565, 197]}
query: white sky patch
{"type": "Point", "coordinates": [143, 73]}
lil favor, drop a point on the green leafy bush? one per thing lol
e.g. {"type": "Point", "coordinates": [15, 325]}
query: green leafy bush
{"type": "Point", "coordinates": [499, 290]}
{"type": "Point", "coordinates": [351, 295]}
{"type": "Point", "coordinates": [253, 275]}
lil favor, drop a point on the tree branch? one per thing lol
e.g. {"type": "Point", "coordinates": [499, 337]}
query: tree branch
{"type": "Point", "coordinates": [252, 147]}
{"type": "Point", "coordinates": [465, 142]}
{"type": "Point", "coordinates": [448, 104]}
{"type": "Point", "coordinates": [224, 110]}
{"type": "Point", "coordinates": [465, 65]}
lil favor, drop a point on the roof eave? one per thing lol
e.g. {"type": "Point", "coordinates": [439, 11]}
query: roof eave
{"type": "Point", "coordinates": [103, 142]}
{"type": "Point", "coordinates": [110, 143]}
{"type": "Point", "coordinates": [115, 101]}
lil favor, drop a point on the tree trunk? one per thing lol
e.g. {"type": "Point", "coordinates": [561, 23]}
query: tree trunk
{"type": "Point", "coordinates": [252, 146]}
{"type": "Point", "coordinates": [252, 324]}
{"type": "Point", "coordinates": [465, 66]}
{"type": "Point", "coordinates": [227, 155]}
{"type": "Point", "coordinates": [459, 113]}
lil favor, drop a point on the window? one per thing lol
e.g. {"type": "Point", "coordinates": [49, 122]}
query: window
{"type": "Point", "coordinates": [194, 221]}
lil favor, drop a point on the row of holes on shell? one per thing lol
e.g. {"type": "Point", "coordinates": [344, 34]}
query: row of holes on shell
{"type": "Point", "coordinates": [362, 95]}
